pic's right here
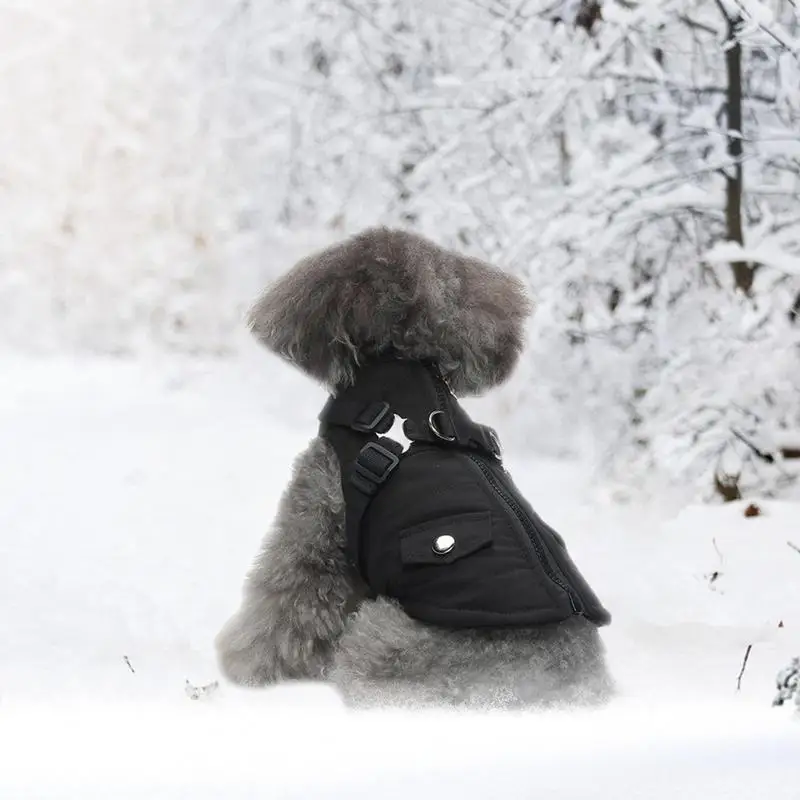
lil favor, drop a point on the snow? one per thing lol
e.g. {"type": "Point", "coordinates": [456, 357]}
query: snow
{"type": "Point", "coordinates": [295, 751]}
{"type": "Point", "coordinates": [134, 494]}
{"type": "Point", "coordinates": [162, 159]}
{"type": "Point", "coordinates": [762, 254]}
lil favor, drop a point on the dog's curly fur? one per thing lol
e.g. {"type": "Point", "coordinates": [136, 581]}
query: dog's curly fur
{"type": "Point", "coordinates": [388, 291]}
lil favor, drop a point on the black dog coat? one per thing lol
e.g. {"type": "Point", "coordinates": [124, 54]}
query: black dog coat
{"type": "Point", "coordinates": [442, 527]}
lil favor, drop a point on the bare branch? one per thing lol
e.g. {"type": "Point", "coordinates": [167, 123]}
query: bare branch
{"type": "Point", "coordinates": [744, 666]}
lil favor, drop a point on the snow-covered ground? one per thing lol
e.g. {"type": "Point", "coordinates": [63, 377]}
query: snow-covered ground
{"type": "Point", "coordinates": [133, 496]}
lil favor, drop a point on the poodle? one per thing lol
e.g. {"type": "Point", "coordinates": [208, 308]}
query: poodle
{"type": "Point", "coordinates": [304, 614]}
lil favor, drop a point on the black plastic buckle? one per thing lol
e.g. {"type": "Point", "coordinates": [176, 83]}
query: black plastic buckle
{"type": "Point", "coordinates": [365, 475]}
{"type": "Point", "coordinates": [375, 414]}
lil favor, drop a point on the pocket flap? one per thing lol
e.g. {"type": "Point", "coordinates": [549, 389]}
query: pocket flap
{"type": "Point", "coordinates": [445, 540]}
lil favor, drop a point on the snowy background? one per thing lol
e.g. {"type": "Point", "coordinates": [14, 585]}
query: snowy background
{"type": "Point", "coordinates": [637, 163]}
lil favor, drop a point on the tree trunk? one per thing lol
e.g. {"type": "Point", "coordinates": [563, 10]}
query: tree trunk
{"type": "Point", "coordinates": [742, 271]}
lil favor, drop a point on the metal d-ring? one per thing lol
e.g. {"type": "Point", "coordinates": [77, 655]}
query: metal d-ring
{"type": "Point", "coordinates": [436, 431]}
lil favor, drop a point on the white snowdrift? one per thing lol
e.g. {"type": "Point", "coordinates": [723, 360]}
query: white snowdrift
{"type": "Point", "coordinates": [135, 495]}
{"type": "Point", "coordinates": [312, 752]}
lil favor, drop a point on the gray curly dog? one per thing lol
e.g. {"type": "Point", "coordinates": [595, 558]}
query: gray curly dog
{"type": "Point", "coordinates": [302, 616]}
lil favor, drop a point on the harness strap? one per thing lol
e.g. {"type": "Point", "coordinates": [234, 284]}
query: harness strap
{"type": "Point", "coordinates": [451, 426]}
{"type": "Point", "coordinates": [351, 412]}
{"type": "Point", "coordinates": [473, 435]}
{"type": "Point", "coordinates": [354, 419]}
{"type": "Point", "coordinates": [373, 466]}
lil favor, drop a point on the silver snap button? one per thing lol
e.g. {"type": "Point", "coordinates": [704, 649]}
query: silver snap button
{"type": "Point", "coordinates": [442, 545]}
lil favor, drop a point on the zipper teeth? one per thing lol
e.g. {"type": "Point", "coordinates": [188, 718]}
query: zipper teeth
{"type": "Point", "coordinates": [519, 512]}
{"type": "Point", "coordinates": [523, 518]}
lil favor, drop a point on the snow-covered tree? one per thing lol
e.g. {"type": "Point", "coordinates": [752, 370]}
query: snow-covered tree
{"type": "Point", "coordinates": [128, 219]}
{"type": "Point", "coordinates": [637, 161]}
{"type": "Point", "coordinates": [640, 171]}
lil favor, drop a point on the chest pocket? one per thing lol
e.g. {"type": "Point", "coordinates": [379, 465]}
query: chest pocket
{"type": "Point", "coordinates": [442, 542]}
{"type": "Point", "coordinates": [449, 550]}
